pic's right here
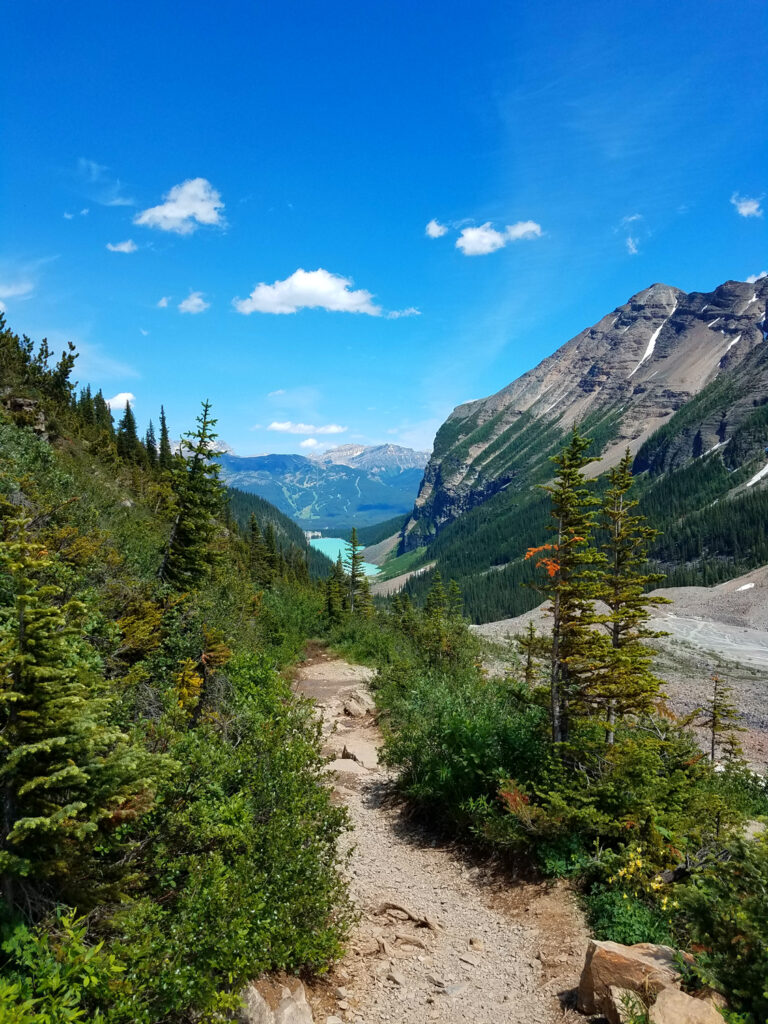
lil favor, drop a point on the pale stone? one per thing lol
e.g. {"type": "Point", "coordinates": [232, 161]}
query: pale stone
{"type": "Point", "coordinates": [675, 1007]}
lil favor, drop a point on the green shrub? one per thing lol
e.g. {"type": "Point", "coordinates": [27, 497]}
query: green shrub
{"type": "Point", "coordinates": [242, 854]}
{"type": "Point", "coordinates": [616, 916]}
{"type": "Point", "coordinates": [726, 907]}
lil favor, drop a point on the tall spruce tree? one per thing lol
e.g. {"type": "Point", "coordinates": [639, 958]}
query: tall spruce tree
{"type": "Point", "coordinates": [626, 685]}
{"type": "Point", "coordinates": [572, 565]}
{"type": "Point", "coordinates": [164, 453]}
{"type": "Point", "coordinates": [721, 718]}
{"type": "Point", "coordinates": [353, 564]}
{"type": "Point", "coordinates": [65, 769]}
{"type": "Point", "coordinates": [128, 444]}
{"type": "Point", "coordinates": [199, 499]}
{"type": "Point", "coordinates": [150, 443]}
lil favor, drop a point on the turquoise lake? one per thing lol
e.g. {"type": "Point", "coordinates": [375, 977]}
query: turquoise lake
{"type": "Point", "coordinates": [331, 546]}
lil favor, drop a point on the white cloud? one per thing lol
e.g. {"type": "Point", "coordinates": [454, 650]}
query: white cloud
{"type": "Point", "coordinates": [84, 212]}
{"type": "Point", "coordinates": [194, 303]}
{"type": "Point", "coordinates": [479, 241]}
{"type": "Point", "coordinates": [308, 289]}
{"type": "Point", "coordinates": [21, 288]}
{"type": "Point", "coordinates": [754, 278]}
{"type": "Point", "coordinates": [2, 307]}
{"type": "Point", "coordinates": [119, 400]}
{"type": "Point", "coordinates": [397, 314]}
{"type": "Point", "coordinates": [68, 216]}
{"type": "Point", "coordinates": [746, 206]}
{"type": "Point", "coordinates": [630, 219]}
{"type": "Point", "coordinates": [435, 229]}
{"type": "Point", "coordinates": [275, 394]}
{"type": "Point", "coordinates": [185, 208]}
{"type": "Point", "coordinates": [143, 332]}
{"type": "Point", "coordinates": [632, 248]}
{"type": "Point", "coordinates": [289, 427]}
{"type": "Point", "coordinates": [127, 246]}
{"type": "Point", "coordinates": [524, 229]}
{"type": "Point", "coordinates": [311, 442]}
{"type": "Point", "coordinates": [163, 303]}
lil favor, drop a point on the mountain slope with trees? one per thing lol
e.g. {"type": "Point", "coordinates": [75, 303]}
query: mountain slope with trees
{"type": "Point", "coordinates": [679, 379]}
{"type": "Point", "coordinates": [167, 829]}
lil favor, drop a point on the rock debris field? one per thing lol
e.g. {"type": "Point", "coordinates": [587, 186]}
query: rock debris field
{"type": "Point", "coordinates": [438, 938]}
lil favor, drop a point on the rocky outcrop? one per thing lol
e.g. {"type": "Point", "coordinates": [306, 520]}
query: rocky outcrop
{"type": "Point", "coordinates": [621, 379]}
{"type": "Point", "coordinates": [624, 983]}
{"type": "Point", "coordinates": [644, 969]}
{"type": "Point", "coordinates": [270, 1002]}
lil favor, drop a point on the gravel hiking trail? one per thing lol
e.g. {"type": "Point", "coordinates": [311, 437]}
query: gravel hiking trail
{"type": "Point", "coordinates": [439, 937]}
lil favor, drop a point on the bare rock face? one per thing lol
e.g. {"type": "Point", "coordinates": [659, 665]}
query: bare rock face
{"type": "Point", "coordinates": [620, 380]}
{"type": "Point", "coordinates": [644, 968]}
{"type": "Point", "coordinates": [675, 1007]}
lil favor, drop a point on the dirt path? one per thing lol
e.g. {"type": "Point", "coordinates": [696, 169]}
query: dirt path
{"type": "Point", "coordinates": [438, 939]}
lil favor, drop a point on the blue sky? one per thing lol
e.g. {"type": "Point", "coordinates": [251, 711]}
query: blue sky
{"type": "Point", "coordinates": [566, 156]}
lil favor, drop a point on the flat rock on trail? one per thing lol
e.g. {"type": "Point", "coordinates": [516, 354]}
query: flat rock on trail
{"type": "Point", "coordinates": [438, 938]}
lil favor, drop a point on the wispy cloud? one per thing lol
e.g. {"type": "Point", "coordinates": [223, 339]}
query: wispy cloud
{"type": "Point", "coordinates": [16, 288]}
{"type": "Point", "coordinates": [127, 246]}
{"type": "Point", "coordinates": [747, 206]}
{"type": "Point", "coordinates": [102, 186]}
{"type": "Point", "coordinates": [194, 303]}
{"type": "Point", "coordinates": [435, 229]}
{"type": "Point", "coordinates": [632, 245]}
{"type": "Point", "coordinates": [143, 332]}
{"type": "Point", "coordinates": [754, 278]}
{"type": "Point", "coordinates": [120, 400]}
{"type": "Point", "coordinates": [184, 208]}
{"type": "Point", "coordinates": [398, 314]}
{"type": "Point", "coordinates": [306, 428]}
{"type": "Point", "coordinates": [163, 303]}
{"type": "Point", "coordinates": [479, 241]}
{"type": "Point", "coordinates": [308, 289]}
{"type": "Point", "coordinates": [275, 394]}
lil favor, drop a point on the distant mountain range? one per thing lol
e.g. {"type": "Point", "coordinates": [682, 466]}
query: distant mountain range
{"type": "Point", "coordinates": [349, 485]}
{"type": "Point", "coordinates": [681, 379]}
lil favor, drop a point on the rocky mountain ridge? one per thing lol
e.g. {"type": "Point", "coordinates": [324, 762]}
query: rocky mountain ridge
{"type": "Point", "coordinates": [623, 380]}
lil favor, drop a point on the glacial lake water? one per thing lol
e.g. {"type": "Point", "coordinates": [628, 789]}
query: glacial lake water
{"type": "Point", "coordinates": [331, 546]}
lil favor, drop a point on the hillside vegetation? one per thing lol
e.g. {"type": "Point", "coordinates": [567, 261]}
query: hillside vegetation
{"type": "Point", "coordinates": [167, 829]}
{"type": "Point", "coordinates": [572, 763]}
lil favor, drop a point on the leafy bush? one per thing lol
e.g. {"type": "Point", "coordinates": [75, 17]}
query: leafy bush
{"type": "Point", "coordinates": [726, 907]}
{"type": "Point", "coordinates": [624, 918]}
{"type": "Point", "coordinates": [242, 853]}
{"type": "Point", "coordinates": [455, 737]}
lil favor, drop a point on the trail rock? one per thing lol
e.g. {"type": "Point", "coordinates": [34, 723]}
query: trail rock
{"type": "Point", "coordinates": [621, 1005]}
{"type": "Point", "coordinates": [675, 1007]}
{"type": "Point", "coordinates": [266, 1002]}
{"type": "Point", "coordinates": [643, 968]}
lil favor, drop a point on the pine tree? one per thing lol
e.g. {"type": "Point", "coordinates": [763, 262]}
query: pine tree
{"type": "Point", "coordinates": [102, 414]}
{"type": "Point", "coordinates": [150, 443]}
{"type": "Point", "coordinates": [85, 406]}
{"type": "Point", "coordinates": [721, 719]}
{"type": "Point", "coordinates": [435, 605]}
{"type": "Point", "coordinates": [455, 606]}
{"type": "Point", "coordinates": [532, 645]}
{"type": "Point", "coordinates": [199, 499]}
{"type": "Point", "coordinates": [353, 564]}
{"type": "Point", "coordinates": [127, 437]}
{"type": "Point", "coordinates": [626, 685]}
{"type": "Point", "coordinates": [164, 453]}
{"type": "Point", "coordinates": [572, 565]}
{"type": "Point", "coordinates": [64, 769]}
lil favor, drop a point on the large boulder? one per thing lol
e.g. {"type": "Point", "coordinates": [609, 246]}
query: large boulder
{"type": "Point", "coordinates": [675, 1007]}
{"type": "Point", "coordinates": [643, 968]}
{"type": "Point", "coordinates": [270, 1002]}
